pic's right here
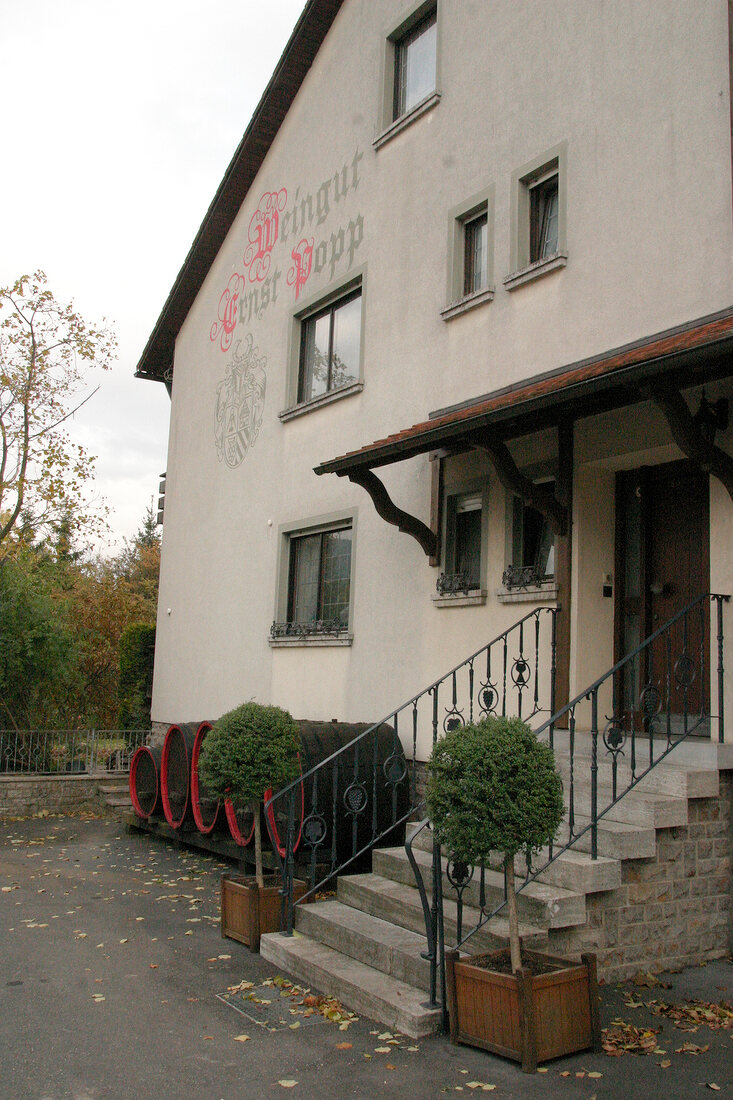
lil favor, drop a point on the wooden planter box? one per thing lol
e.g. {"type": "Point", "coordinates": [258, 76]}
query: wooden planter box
{"type": "Point", "coordinates": [528, 1017]}
{"type": "Point", "coordinates": [247, 913]}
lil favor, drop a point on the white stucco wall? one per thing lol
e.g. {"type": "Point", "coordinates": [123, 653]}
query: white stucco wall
{"type": "Point", "coordinates": [639, 94]}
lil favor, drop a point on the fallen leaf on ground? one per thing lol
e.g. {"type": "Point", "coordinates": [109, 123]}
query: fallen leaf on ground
{"type": "Point", "coordinates": [344, 1046]}
{"type": "Point", "coordinates": [623, 1038]}
{"type": "Point", "coordinates": [288, 1084]}
{"type": "Point", "coordinates": [241, 1038]}
{"type": "Point", "coordinates": [691, 1048]}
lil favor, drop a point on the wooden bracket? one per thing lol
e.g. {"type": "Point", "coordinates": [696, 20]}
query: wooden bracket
{"type": "Point", "coordinates": [688, 437]}
{"type": "Point", "coordinates": [388, 510]}
{"type": "Point", "coordinates": [515, 482]}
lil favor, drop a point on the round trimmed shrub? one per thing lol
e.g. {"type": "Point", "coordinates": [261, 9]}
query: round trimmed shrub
{"type": "Point", "coordinates": [493, 787]}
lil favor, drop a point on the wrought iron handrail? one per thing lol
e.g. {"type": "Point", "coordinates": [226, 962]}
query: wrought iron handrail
{"type": "Point", "coordinates": [667, 683]}
{"type": "Point", "coordinates": [360, 794]}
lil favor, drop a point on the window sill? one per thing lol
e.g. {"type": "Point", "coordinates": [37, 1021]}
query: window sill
{"type": "Point", "coordinates": [318, 402]}
{"type": "Point", "coordinates": [541, 593]}
{"type": "Point", "coordinates": [535, 270]}
{"type": "Point", "coordinates": [463, 305]}
{"type": "Point", "coordinates": [473, 598]}
{"type": "Point", "coordinates": [327, 640]}
{"type": "Point", "coordinates": [406, 120]}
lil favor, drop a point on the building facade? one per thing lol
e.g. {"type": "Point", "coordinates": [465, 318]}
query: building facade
{"type": "Point", "coordinates": [453, 342]}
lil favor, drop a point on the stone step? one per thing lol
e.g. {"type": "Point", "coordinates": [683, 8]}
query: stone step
{"type": "Point", "coordinates": [573, 870]}
{"type": "Point", "coordinates": [119, 787]}
{"type": "Point", "coordinates": [541, 904]}
{"type": "Point", "coordinates": [664, 778]}
{"type": "Point", "coordinates": [400, 904]}
{"type": "Point", "coordinates": [360, 988]}
{"type": "Point", "coordinates": [647, 808]}
{"type": "Point", "coordinates": [387, 947]}
{"type": "Point", "coordinates": [616, 839]}
{"type": "Point", "coordinates": [119, 802]}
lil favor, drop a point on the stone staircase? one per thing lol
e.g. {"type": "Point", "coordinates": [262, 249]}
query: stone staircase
{"type": "Point", "coordinates": [364, 946]}
{"type": "Point", "coordinates": [115, 790]}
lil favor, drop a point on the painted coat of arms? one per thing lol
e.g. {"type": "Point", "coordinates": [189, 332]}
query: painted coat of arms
{"type": "Point", "coordinates": [240, 403]}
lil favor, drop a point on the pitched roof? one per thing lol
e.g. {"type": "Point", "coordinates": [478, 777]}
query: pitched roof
{"type": "Point", "coordinates": [156, 361]}
{"type": "Point", "coordinates": [685, 356]}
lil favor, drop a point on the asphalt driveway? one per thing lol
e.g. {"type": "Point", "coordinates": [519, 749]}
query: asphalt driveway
{"type": "Point", "coordinates": [113, 970]}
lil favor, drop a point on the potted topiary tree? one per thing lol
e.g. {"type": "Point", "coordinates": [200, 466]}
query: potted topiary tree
{"type": "Point", "coordinates": [249, 750]}
{"type": "Point", "coordinates": [493, 789]}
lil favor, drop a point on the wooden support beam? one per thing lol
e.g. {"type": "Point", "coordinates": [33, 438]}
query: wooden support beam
{"type": "Point", "coordinates": [388, 510]}
{"type": "Point", "coordinates": [436, 503]}
{"type": "Point", "coordinates": [564, 560]}
{"type": "Point", "coordinates": [540, 498]}
{"type": "Point", "coordinates": [689, 438]}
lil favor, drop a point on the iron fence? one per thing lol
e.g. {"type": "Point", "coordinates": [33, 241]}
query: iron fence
{"type": "Point", "coordinates": [67, 752]}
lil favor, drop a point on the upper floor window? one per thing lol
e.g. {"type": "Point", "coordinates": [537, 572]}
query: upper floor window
{"type": "Point", "coordinates": [475, 254]}
{"type": "Point", "coordinates": [415, 64]}
{"type": "Point", "coordinates": [330, 348]}
{"type": "Point", "coordinates": [470, 254]}
{"type": "Point", "coordinates": [538, 241]}
{"type": "Point", "coordinates": [544, 217]}
{"type": "Point", "coordinates": [319, 580]}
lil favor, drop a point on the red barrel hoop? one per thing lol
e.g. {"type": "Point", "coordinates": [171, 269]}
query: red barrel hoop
{"type": "Point", "coordinates": [200, 803]}
{"type": "Point", "coordinates": [175, 773]}
{"type": "Point", "coordinates": [144, 783]}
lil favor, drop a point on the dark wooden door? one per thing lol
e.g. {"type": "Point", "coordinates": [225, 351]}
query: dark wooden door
{"type": "Point", "coordinates": [663, 564]}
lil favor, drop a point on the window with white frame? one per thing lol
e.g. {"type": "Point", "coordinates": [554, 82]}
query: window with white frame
{"type": "Point", "coordinates": [539, 217]}
{"type": "Point", "coordinates": [415, 52]}
{"type": "Point", "coordinates": [543, 218]}
{"type": "Point", "coordinates": [314, 598]}
{"type": "Point", "coordinates": [470, 254]}
{"type": "Point", "coordinates": [330, 347]}
{"type": "Point", "coordinates": [465, 540]}
{"type": "Point", "coordinates": [532, 545]}
{"type": "Point", "coordinates": [475, 253]}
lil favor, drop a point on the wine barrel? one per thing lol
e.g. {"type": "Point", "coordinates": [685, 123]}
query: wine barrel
{"type": "Point", "coordinates": [345, 792]}
{"type": "Point", "coordinates": [205, 808]}
{"type": "Point", "coordinates": [144, 782]}
{"type": "Point", "coordinates": [241, 823]}
{"type": "Point", "coordinates": [175, 771]}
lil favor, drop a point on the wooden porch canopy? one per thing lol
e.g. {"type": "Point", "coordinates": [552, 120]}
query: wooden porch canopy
{"type": "Point", "coordinates": [658, 367]}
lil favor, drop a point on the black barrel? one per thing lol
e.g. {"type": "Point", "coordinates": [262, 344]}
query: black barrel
{"type": "Point", "coordinates": [352, 799]}
{"type": "Point", "coordinates": [175, 771]}
{"type": "Point", "coordinates": [144, 781]}
{"type": "Point", "coordinates": [205, 808]}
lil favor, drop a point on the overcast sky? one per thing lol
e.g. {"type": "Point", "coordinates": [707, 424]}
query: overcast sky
{"type": "Point", "coordinates": [118, 123]}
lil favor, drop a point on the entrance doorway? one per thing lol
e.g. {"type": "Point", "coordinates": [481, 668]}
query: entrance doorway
{"type": "Point", "coordinates": [662, 566]}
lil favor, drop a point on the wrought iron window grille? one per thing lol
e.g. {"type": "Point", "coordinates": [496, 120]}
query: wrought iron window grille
{"type": "Point", "coordinates": [522, 576]}
{"type": "Point", "coordinates": [454, 584]}
{"type": "Point", "coordinates": [329, 627]}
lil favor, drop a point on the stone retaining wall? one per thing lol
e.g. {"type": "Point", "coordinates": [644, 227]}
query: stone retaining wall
{"type": "Point", "coordinates": [24, 795]}
{"type": "Point", "coordinates": [671, 911]}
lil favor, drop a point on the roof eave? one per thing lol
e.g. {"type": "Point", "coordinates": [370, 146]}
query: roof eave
{"type": "Point", "coordinates": [156, 361]}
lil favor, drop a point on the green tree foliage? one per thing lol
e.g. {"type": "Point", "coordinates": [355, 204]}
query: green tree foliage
{"type": "Point", "coordinates": [137, 651]}
{"type": "Point", "coordinates": [46, 351]}
{"type": "Point", "coordinates": [85, 602]}
{"type": "Point", "coordinates": [40, 680]}
{"type": "Point", "coordinates": [493, 788]}
{"type": "Point", "coordinates": [250, 749]}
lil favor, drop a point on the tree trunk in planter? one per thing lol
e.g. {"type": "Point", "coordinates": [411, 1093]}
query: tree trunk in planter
{"type": "Point", "coordinates": [529, 1017]}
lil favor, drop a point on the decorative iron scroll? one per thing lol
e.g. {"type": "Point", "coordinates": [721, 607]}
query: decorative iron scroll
{"type": "Point", "coordinates": [522, 576]}
{"type": "Point", "coordinates": [454, 584]}
{"type": "Point", "coordinates": [329, 627]}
